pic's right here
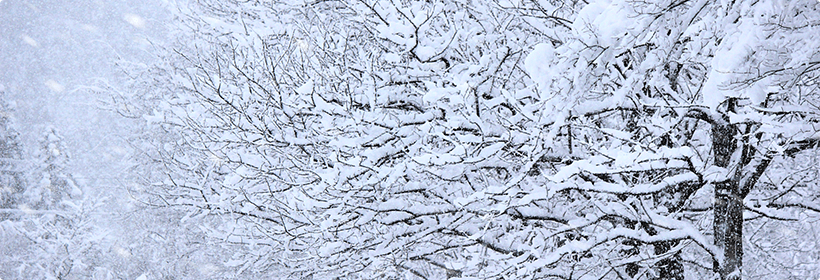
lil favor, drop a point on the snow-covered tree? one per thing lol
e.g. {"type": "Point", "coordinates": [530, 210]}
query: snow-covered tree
{"type": "Point", "coordinates": [54, 234]}
{"type": "Point", "coordinates": [493, 139]}
{"type": "Point", "coordinates": [12, 175]}
{"type": "Point", "coordinates": [672, 101]}
{"type": "Point", "coordinates": [51, 183]}
{"type": "Point", "coordinates": [54, 244]}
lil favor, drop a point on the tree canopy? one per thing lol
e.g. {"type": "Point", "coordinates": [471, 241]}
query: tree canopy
{"type": "Point", "coordinates": [493, 139]}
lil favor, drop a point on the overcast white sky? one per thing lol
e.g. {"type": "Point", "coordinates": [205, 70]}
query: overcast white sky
{"type": "Point", "coordinates": [50, 49]}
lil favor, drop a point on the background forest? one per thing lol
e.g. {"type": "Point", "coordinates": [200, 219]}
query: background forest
{"type": "Point", "coordinates": [464, 139]}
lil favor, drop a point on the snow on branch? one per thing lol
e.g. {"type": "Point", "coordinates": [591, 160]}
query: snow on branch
{"type": "Point", "coordinates": [640, 189]}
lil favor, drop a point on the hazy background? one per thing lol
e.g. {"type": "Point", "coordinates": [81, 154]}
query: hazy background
{"type": "Point", "coordinates": [50, 50]}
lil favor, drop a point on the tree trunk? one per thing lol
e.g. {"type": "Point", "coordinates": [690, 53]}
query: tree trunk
{"type": "Point", "coordinates": [728, 227]}
{"type": "Point", "coordinates": [728, 219]}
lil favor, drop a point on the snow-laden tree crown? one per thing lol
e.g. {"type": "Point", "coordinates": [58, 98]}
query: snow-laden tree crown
{"type": "Point", "coordinates": [493, 139]}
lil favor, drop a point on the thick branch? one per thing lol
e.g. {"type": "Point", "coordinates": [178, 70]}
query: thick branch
{"type": "Point", "coordinates": [749, 177]}
{"type": "Point", "coordinates": [802, 145]}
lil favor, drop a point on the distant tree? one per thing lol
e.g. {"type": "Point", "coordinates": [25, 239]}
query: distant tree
{"type": "Point", "coordinates": [12, 179]}
{"type": "Point", "coordinates": [51, 183]}
{"type": "Point", "coordinates": [12, 175]}
{"type": "Point", "coordinates": [493, 139]}
{"type": "Point", "coordinates": [54, 235]}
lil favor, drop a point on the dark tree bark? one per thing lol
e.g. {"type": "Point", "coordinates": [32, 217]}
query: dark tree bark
{"type": "Point", "coordinates": [728, 207]}
{"type": "Point", "coordinates": [728, 227]}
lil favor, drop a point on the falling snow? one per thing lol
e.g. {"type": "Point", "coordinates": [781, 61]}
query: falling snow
{"type": "Point", "coordinates": [500, 139]}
